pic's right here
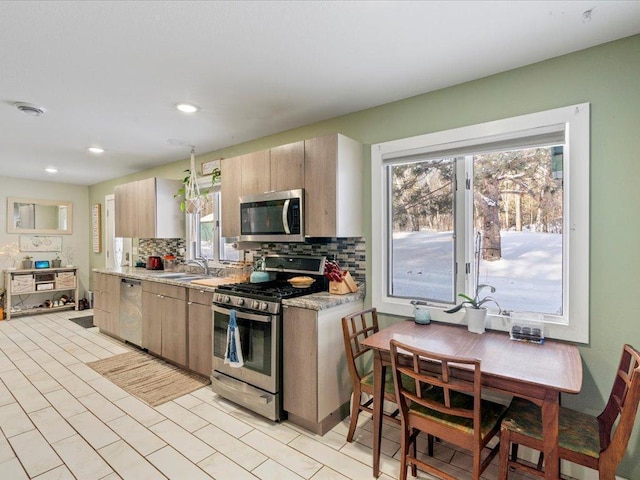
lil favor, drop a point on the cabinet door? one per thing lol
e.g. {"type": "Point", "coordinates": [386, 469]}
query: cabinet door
{"type": "Point", "coordinates": [174, 330]}
{"type": "Point", "coordinates": [300, 362]}
{"type": "Point", "coordinates": [126, 215]}
{"type": "Point", "coordinates": [146, 207]}
{"type": "Point", "coordinates": [256, 173]}
{"type": "Point", "coordinates": [320, 169]}
{"type": "Point", "coordinates": [231, 189]}
{"type": "Point", "coordinates": [287, 167]}
{"type": "Point", "coordinates": [106, 298]}
{"type": "Point", "coordinates": [152, 322]}
{"type": "Point", "coordinates": [200, 338]}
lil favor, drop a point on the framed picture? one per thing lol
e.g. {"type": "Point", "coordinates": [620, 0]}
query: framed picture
{"type": "Point", "coordinates": [96, 228]}
{"type": "Point", "coordinates": [209, 167]}
{"type": "Point", "coordinates": [40, 243]}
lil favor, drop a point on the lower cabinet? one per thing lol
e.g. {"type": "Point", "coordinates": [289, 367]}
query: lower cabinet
{"type": "Point", "coordinates": [316, 383]}
{"type": "Point", "coordinates": [106, 311]}
{"type": "Point", "coordinates": [164, 321]}
{"type": "Point", "coordinates": [200, 331]}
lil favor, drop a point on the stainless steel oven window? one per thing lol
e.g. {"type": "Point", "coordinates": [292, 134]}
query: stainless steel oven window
{"type": "Point", "coordinates": [256, 339]}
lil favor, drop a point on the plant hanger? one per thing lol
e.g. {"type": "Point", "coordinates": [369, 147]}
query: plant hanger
{"type": "Point", "coordinates": [192, 191]}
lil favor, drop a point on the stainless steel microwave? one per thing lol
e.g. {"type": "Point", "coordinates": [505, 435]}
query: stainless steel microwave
{"type": "Point", "coordinates": [272, 217]}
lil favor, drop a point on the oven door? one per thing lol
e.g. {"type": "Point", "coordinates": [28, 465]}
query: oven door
{"type": "Point", "coordinates": [258, 334]}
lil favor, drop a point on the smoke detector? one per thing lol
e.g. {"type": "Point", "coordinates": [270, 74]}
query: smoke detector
{"type": "Point", "coordinates": [30, 109]}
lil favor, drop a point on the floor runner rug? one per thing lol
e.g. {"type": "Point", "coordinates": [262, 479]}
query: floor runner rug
{"type": "Point", "coordinates": [150, 379]}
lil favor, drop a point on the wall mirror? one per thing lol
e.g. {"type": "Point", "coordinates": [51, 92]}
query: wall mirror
{"type": "Point", "coordinates": [29, 215]}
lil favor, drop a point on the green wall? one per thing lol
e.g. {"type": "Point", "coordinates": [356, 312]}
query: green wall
{"type": "Point", "coordinates": [608, 77]}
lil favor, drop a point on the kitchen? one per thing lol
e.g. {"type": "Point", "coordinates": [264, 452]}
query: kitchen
{"type": "Point", "coordinates": [601, 75]}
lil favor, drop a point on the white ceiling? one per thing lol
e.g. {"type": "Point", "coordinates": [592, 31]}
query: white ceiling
{"type": "Point", "coordinates": [110, 72]}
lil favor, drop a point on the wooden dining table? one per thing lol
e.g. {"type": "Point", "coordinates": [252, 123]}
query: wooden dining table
{"type": "Point", "coordinates": [537, 372]}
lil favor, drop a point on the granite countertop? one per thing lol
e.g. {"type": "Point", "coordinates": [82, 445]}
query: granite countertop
{"type": "Point", "coordinates": [160, 276]}
{"type": "Point", "coordinates": [324, 300]}
{"type": "Point", "coordinates": [314, 301]}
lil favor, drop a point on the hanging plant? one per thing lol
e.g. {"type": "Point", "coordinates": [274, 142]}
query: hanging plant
{"type": "Point", "coordinates": [193, 199]}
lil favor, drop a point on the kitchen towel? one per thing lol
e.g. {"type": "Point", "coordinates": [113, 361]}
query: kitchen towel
{"type": "Point", "coordinates": [233, 353]}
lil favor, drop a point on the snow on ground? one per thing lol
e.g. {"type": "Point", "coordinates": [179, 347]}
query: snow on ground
{"type": "Point", "coordinates": [527, 278]}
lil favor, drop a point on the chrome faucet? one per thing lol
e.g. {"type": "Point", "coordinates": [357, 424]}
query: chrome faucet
{"type": "Point", "coordinates": [202, 263]}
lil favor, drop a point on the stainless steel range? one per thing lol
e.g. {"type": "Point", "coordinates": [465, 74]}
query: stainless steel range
{"type": "Point", "coordinates": [257, 385]}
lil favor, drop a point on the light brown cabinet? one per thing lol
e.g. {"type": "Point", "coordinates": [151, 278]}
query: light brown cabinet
{"type": "Point", "coordinates": [333, 186]}
{"type": "Point", "coordinates": [148, 209]}
{"type": "Point", "coordinates": [243, 175]}
{"type": "Point", "coordinates": [316, 381]}
{"type": "Point", "coordinates": [287, 167]}
{"type": "Point", "coordinates": [106, 307]}
{"type": "Point", "coordinates": [164, 321]}
{"type": "Point", "coordinates": [281, 168]}
{"type": "Point", "coordinates": [200, 331]}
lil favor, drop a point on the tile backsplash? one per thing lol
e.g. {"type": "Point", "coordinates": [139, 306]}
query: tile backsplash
{"type": "Point", "coordinates": [350, 253]}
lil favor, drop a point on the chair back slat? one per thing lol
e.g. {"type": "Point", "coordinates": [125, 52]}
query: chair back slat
{"type": "Point", "coordinates": [429, 371]}
{"type": "Point", "coordinates": [355, 328]}
{"type": "Point", "coordinates": [617, 419]}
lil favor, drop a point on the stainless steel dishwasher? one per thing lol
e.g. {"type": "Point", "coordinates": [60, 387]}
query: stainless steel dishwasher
{"type": "Point", "coordinates": [131, 311]}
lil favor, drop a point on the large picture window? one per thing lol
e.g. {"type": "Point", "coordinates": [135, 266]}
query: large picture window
{"type": "Point", "coordinates": [513, 192]}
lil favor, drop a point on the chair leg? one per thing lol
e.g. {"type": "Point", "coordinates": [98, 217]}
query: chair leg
{"type": "Point", "coordinates": [414, 441]}
{"type": "Point", "coordinates": [514, 452]}
{"type": "Point", "coordinates": [355, 410]}
{"type": "Point", "coordinates": [504, 454]}
{"type": "Point", "coordinates": [404, 447]}
{"type": "Point", "coordinates": [430, 445]}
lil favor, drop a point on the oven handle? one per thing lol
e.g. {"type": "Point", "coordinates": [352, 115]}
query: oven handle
{"type": "Point", "coordinates": [243, 315]}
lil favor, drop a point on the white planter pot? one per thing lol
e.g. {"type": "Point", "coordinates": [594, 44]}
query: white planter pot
{"type": "Point", "coordinates": [476, 318]}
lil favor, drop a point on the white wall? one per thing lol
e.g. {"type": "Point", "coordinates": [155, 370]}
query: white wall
{"type": "Point", "coordinates": [78, 243]}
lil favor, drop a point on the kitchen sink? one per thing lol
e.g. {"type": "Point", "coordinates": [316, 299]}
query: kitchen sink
{"type": "Point", "coordinates": [189, 278]}
{"type": "Point", "coordinates": [171, 275]}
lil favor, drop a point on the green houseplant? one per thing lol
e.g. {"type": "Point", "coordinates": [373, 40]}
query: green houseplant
{"type": "Point", "coordinates": [27, 262]}
{"type": "Point", "coordinates": [475, 311]}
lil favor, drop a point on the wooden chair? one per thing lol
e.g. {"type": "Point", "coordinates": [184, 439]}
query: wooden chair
{"type": "Point", "coordinates": [447, 407]}
{"type": "Point", "coordinates": [355, 328]}
{"type": "Point", "coordinates": [595, 442]}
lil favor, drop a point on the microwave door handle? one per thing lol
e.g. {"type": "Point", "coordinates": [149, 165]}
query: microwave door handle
{"type": "Point", "coordinates": [285, 216]}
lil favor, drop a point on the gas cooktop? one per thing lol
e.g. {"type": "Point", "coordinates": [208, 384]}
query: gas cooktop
{"type": "Point", "coordinates": [276, 289]}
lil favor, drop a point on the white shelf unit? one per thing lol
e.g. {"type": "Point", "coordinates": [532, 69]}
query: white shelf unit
{"type": "Point", "coordinates": [35, 286]}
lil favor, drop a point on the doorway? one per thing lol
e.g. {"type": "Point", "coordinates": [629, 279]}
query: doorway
{"type": "Point", "coordinates": [118, 249]}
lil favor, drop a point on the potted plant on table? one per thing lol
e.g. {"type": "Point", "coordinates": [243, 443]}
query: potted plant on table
{"type": "Point", "coordinates": [56, 262]}
{"type": "Point", "coordinates": [475, 312]}
{"type": "Point", "coordinates": [27, 262]}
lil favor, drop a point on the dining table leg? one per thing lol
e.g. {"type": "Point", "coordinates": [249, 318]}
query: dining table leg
{"type": "Point", "coordinates": [379, 372]}
{"type": "Point", "coordinates": [550, 414]}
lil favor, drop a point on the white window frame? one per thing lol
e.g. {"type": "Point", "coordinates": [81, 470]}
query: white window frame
{"type": "Point", "coordinates": [573, 325]}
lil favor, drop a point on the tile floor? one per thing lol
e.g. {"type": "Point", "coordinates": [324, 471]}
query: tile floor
{"type": "Point", "coordinates": [61, 420]}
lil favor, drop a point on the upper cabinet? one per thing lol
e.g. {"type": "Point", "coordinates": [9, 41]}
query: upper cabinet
{"type": "Point", "coordinates": [148, 209]}
{"type": "Point", "coordinates": [287, 167]}
{"type": "Point", "coordinates": [281, 168]}
{"type": "Point", "coordinates": [329, 168]}
{"type": "Point", "coordinates": [333, 186]}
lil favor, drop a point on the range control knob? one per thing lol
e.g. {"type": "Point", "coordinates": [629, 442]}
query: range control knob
{"type": "Point", "coordinates": [240, 301]}
{"type": "Point", "coordinates": [226, 299]}
{"type": "Point", "coordinates": [255, 304]}
{"type": "Point", "coordinates": [264, 306]}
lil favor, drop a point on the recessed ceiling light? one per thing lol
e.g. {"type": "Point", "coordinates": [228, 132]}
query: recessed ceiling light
{"type": "Point", "coordinates": [30, 109]}
{"type": "Point", "coordinates": [96, 149]}
{"type": "Point", "coordinates": [187, 108]}
{"type": "Point", "coordinates": [51, 170]}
